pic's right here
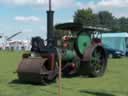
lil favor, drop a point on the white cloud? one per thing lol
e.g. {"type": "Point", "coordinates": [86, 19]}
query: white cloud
{"type": "Point", "coordinates": [114, 6]}
{"type": "Point", "coordinates": [104, 4]}
{"type": "Point", "coordinates": [43, 3]}
{"type": "Point", "coordinates": [113, 3]}
{"type": "Point", "coordinates": [27, 19]}
{"type": "Point", "coordinates": [19, 2]}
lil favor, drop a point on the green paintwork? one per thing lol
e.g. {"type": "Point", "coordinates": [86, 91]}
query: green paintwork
{"type": "Point", "coordinates": [83, 42]}
{"type": "Point", "coordinates": [69, 55]}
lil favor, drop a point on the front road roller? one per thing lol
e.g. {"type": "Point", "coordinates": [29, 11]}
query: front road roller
{"type": "Point", "coordinates": [37, 70]}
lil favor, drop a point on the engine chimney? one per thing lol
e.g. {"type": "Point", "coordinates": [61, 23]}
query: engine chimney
{"type": "Point", "coordinates": [50, 22]}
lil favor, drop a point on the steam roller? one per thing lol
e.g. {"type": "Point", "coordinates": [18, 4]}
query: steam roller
{"type": "Point", "coordinates": [81, 50]}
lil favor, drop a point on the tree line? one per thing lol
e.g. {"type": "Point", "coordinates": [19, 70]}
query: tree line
{"type": "Point", "coordinates": [103, 19]}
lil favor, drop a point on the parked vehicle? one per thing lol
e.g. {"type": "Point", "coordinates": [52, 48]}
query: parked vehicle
{"type": "Point", "coordinates": [117, 40]}
{"type": "Point", "coordinates": [113, 53]}
{"type": "Point", "coordinates": [127, 53]}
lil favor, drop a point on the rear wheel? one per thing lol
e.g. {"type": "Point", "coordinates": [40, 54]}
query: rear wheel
{"type": "Point", "coordinates": [97, 63]}
{"type": "Point", "coordinates": [96, 66]}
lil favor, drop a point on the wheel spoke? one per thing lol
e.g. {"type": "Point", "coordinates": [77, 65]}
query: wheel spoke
{"type": "Point", "coordinates": [97, 60]}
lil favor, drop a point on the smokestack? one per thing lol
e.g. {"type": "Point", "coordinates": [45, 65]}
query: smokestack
{"type": "Point", "coordinates": [50, 22]}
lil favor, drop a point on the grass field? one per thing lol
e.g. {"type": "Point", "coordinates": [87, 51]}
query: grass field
{"type": "Point", "coordinates": [114, 83]}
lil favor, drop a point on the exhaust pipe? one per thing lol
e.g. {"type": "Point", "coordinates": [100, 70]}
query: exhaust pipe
{"type": "Point", "coordinates": [50, 26]}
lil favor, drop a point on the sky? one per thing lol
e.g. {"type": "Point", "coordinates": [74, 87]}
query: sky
{"type": "Point", "coordinates": [29, 16]}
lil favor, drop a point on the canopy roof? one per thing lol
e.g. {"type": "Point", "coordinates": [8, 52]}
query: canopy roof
{"type": "Point", "coordinates": [118, 34]}
{"type": "Point", "coordinates": [80, 27]}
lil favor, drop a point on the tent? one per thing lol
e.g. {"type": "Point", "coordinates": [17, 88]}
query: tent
{"type": "Point", "coordinates": [116, 40]}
